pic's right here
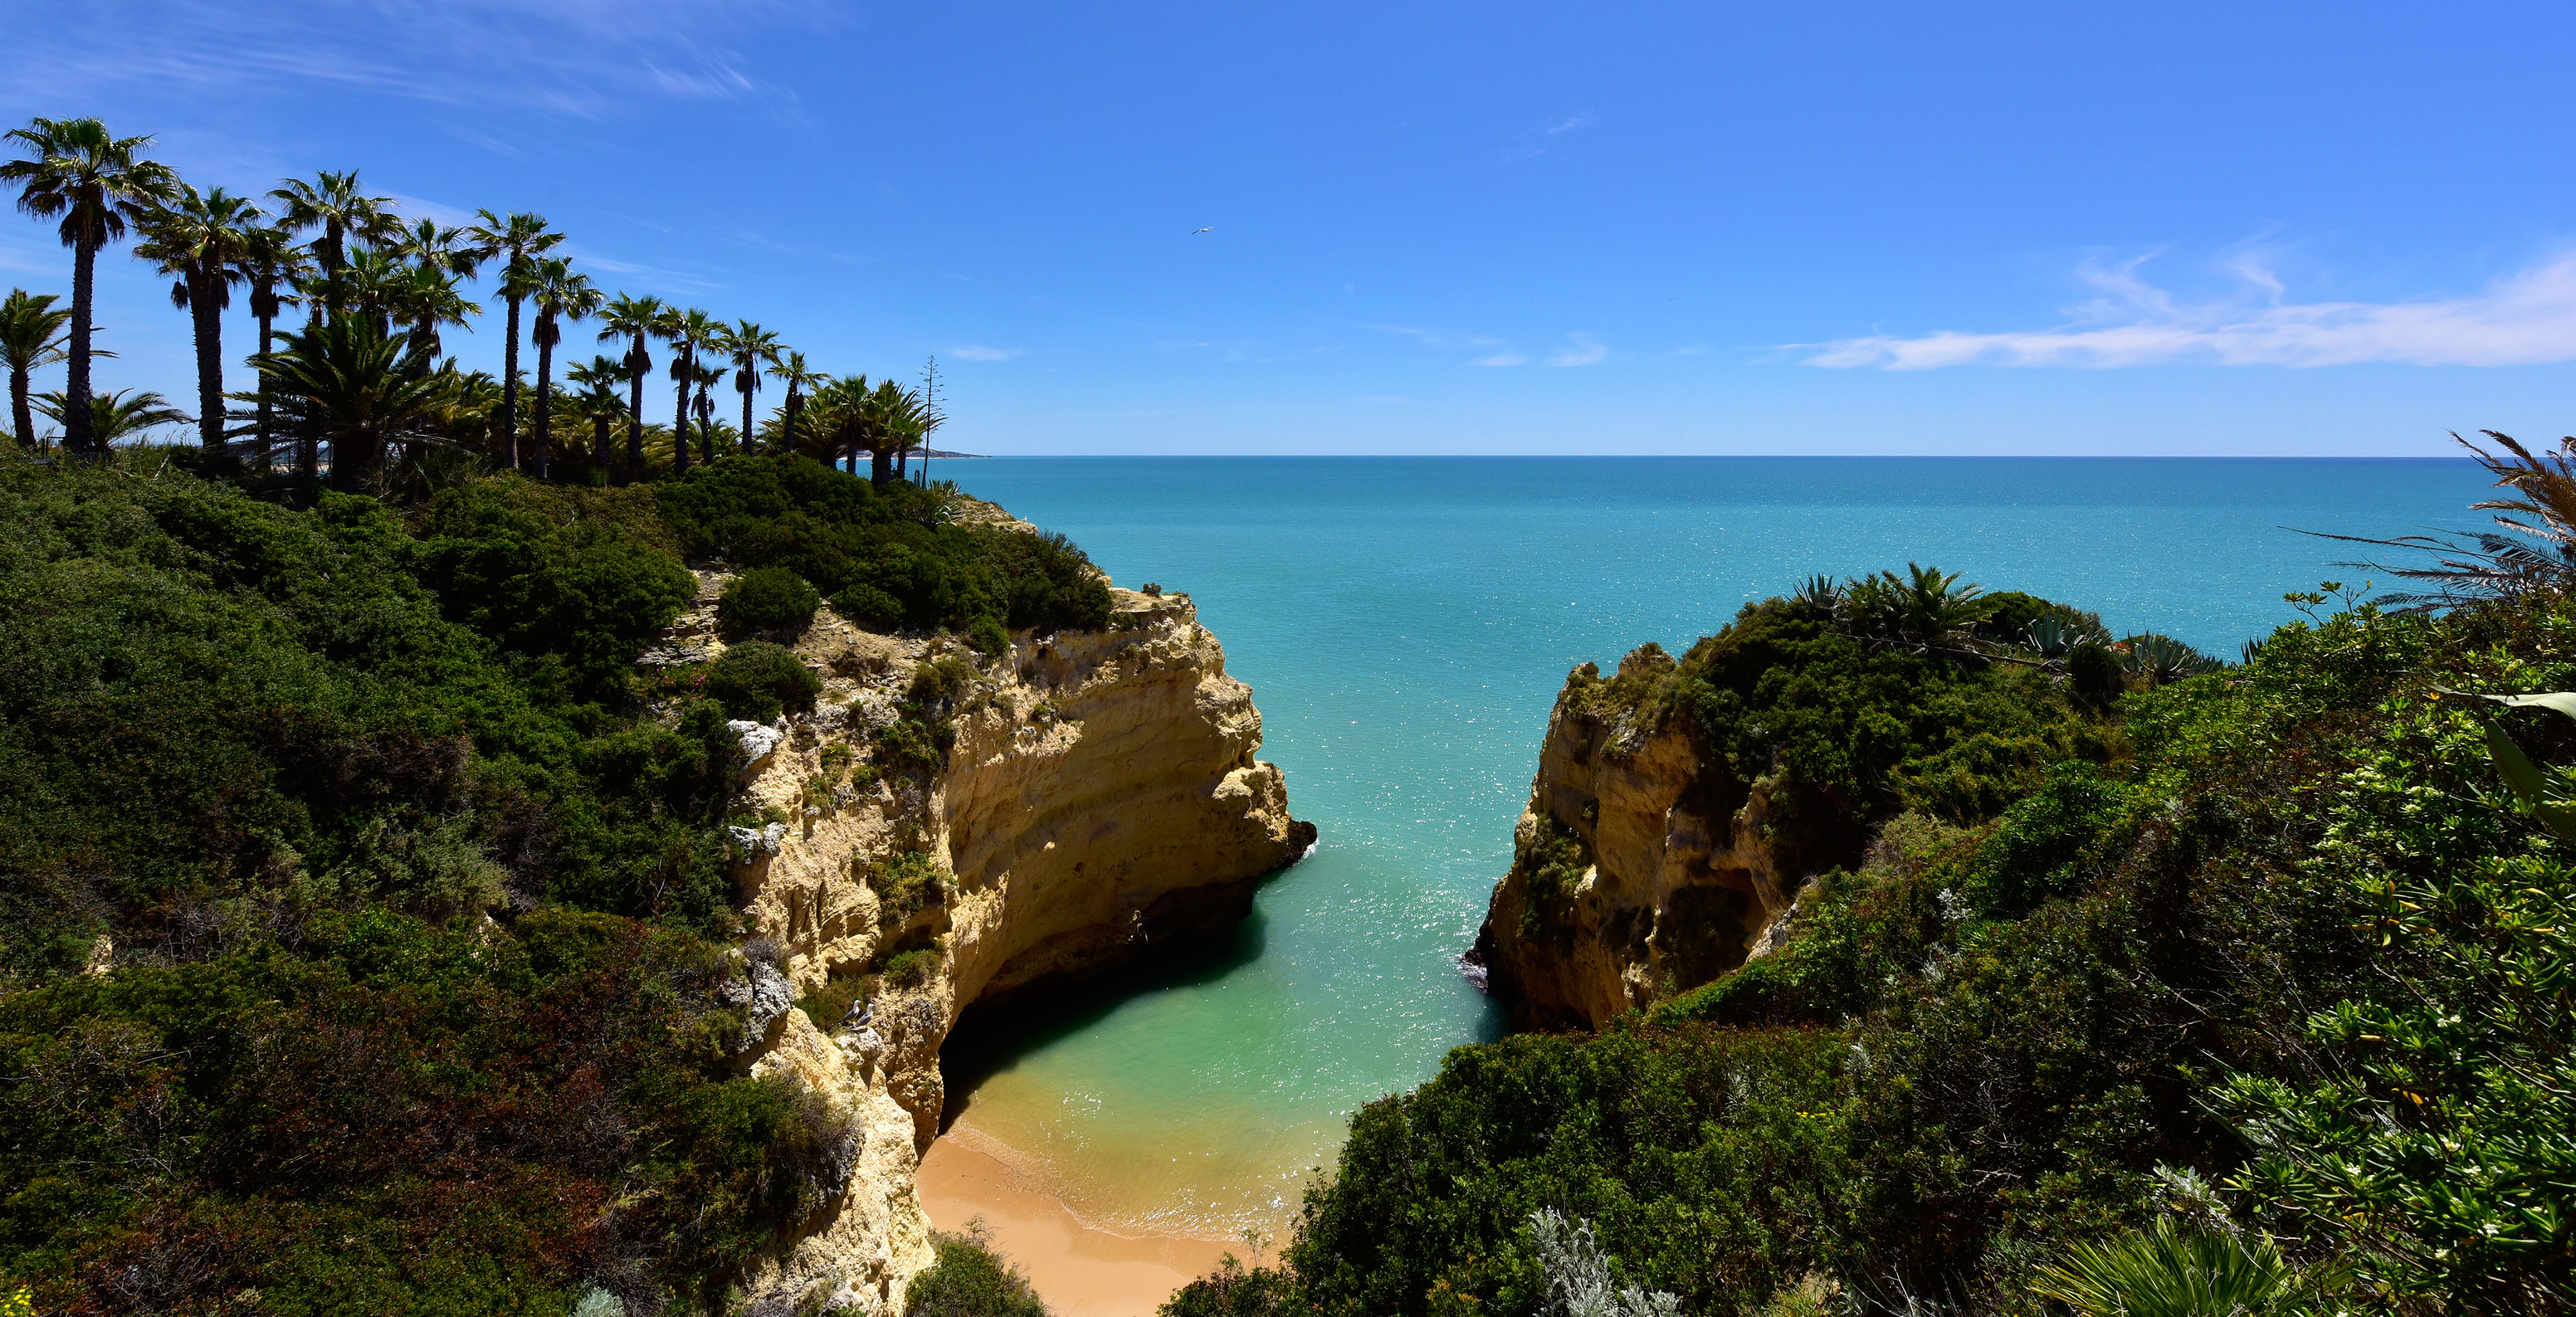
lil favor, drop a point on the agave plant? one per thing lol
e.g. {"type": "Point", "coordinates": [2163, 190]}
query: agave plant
{"type": "Point", "coordinates": [2167, 1271]}
{"type": "Point", "coordinates": [2161, 658]}
{"type": "Point", "coordinates": [2053, 637]}
{"type": "Point", "coordinates": [1820, 594]}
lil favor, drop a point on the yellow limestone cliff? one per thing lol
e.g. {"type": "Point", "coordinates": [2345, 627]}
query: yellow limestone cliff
{"type": "Point", "coordinates": [1640, 869]}
{"type": "Point", "coordinates": [1101, 795]}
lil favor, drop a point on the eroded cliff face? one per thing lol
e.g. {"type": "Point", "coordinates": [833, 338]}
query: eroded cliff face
{"type": "Point", "coordinates": [1640, 868]}
{"type": "Point", "coordinates": [1101, 795]}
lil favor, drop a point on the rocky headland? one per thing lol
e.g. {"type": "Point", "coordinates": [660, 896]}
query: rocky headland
{"type": "Point", "coordinates": [1101, 795]}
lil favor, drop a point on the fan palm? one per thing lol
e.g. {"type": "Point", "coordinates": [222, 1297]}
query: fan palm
{"type": "Point", "coordinates": [560, 295]}
{"type": "Point", "coordinates": [518, 236]}
{"type": "Point", "coordinates": [444, 248]}
{"type": "Point", "coordinates": [636, 319]}
{"type": "Point", "coordinates": [273, 265]}
{"type": "Point", "coordinates": [687, 331]}
{"type": "Point", "coordinates": [31, 335]}
{"type": "Point", "coordinates": [750, 348]}
{"type": "Point", "coordinates": [791, 368]}
{"type": "Point", "coordinates": [95, 182]}
{"type": "Point", "coordinates": [346, 382]}
{"type": "Point", "coordinates": [114, 416]}
{"type": "Point", "coordinates": [337, 205]}
{"type": "Point", "coordinates": [597, 401]}
{"type": "Point", "coordinates": [425, 299]}
{"type": "Point", "coordinates": [708, 378]}
{"type": "Point", "coordinates": [198, 237]}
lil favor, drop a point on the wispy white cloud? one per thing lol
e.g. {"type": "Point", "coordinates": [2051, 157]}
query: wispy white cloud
{"type": "Point", "coordinates": [978, 352]}
{"type": "Point", "coordinates": [1560, 127]}
{"type": "Point", "coordinates": [1501, 359]}
{"type": "Point", "coordinates": [2528, 318]}
{"type": "Point", "coordinates": [1583, 351]}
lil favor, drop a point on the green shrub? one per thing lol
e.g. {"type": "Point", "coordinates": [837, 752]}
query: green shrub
{"type": "Point", "coordinates": [988, 637]}
{"type": "Point", "coordinates": [766, 599]}
{"type": "Point", "coordinates": [969, 1279]}
{"type": "Point", "coordinates": [905, 885]}
{"type": "Point", "coordinates": [757, 679]}
{"type": "Point", "coordinates": [832, 1003]}
{"type": "Point", "coordinates": [870, 607]}
{"type": "Point", "coordinates": [911, 969]}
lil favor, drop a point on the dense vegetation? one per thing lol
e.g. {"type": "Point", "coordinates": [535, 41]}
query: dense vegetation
{"type": "Point", "coordinates": [2269, 956]}
{"type": "Point", "coordinates": [412, 884]}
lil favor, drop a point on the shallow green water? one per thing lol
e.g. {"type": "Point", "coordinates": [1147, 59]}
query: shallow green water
{"type": "Point", "coordinates": [1405, 624]}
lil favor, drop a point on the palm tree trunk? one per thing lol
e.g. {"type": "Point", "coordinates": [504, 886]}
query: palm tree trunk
{"type": "Point", "coordinates": [706, 423]}
{"type": "Point", "coordinates": [18, 409]}
{"type": "Point", "coordinates": [267, 319]}
{"type": "Point", "coordinates": [746, 420]}
{"type": "Point", "coordinates": [210, 357]}
{"type": "Point", "coordinates": [510, 386]}
{"type": "Point", "coordinates": [680, 418]}
{"type": "Point", "coordinates": [76, 418]}
{"type": "Point", "coordinates": [545, 402]}
{"type": "Point", "coordinates": [635, 411]}
{"type": "Point", "coordinates": [599, 440]}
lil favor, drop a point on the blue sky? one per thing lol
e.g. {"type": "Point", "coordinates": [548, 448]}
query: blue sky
{"type": "Point", "coordinates": [1608, 228]}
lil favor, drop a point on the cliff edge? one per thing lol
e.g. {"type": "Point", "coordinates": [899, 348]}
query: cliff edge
{"type": "Point", "coordinates": [1098, 794]}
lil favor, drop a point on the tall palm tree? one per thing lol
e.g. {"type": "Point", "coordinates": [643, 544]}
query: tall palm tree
{"type": "Point", "coordinates": [791, 368]}
{"type": "Point", "coordinates": [425, 299]}
{"type": "Point", "coordinates": [199, 237]}
{"type": "Point", "coordinates": [687, 331]}
{"type": "Point", "coordinates": [339, 206]}
{"type": "Point", "coordinates": [598, 379]}
{"type": "Point", "coordinates": [517, 237]}
{"type": "Point", "coordinates": [638, 319]}
{"type": "Point", "coordinates": [274, 266]}
{"type": "Point", "coordinates": [76, 169]}
{"type": "Point", "coordinates": [369, 285]}
{"type": "Point", "coordinates": [444, 248]}
{"type": "Point", "coordinates": [560, 295]}
{"type": "Point", "coordinates": [31, 335]}
{"type": "Point", "coordinates": [113, 416]}
{"type": "Point", "coordinates": [750, 348]}
{"type": "Point", "coordinates": [708, 378]}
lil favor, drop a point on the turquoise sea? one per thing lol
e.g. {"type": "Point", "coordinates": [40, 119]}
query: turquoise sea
{"type": "Point", "coordinates": [1405, 624]}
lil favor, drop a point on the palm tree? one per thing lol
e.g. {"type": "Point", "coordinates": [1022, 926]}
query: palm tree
{"type": "Point", "coordinates": [199, 237]}
{"type": "Point", "coordinates": [444, 248]}
{"type": "Point", "coordinates": [425, 298]}
{"type": "Point", "coordinates": [347, 382]}
{"type": "Point", "coordinates": [341, 209]}
{"type": "Point", "coordinates": [598, 379]}
{"type": "Point", "coordinates": [369, 285]}
{"type": "Point", "coordinates": [749, 347]}
{"type": "Point", "coordinates": [270, 260]}
{"type": "Point", "coordinates": [31, 335]}
{"type": "Point", "coordinates": [791, 368]}
{"type": "Point", "coordinates": [113, 416]}
{"type": "Point", "coordinates": [687, 331]}
{"type": "Point", "coordinates": [708, 378]}
{"type": "Point", "coordinates": [94, 181]}
{"type": "Point", "coordinates": [560, 295]}
{"type": "Point", "coordinates": [636, 318]}
{"type": "Point", "coordinates": [519, 236]}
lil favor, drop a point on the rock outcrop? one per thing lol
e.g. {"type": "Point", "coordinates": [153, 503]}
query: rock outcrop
{"type": "Point", "coordinates": [1100, 795]}
{"type": "Point", "coordinates": [1640, 868]}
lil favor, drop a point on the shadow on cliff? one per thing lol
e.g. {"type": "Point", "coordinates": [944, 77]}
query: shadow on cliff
{"type": "Point", "coordinates": [992, 1036]}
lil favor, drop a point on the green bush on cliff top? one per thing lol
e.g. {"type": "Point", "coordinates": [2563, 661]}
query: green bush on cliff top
{"type": "Point", "coordinates": [2302, 922]}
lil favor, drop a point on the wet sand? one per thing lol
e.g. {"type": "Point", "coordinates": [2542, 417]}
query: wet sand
{"type": "Point", "coordinates": [1079, 1270]}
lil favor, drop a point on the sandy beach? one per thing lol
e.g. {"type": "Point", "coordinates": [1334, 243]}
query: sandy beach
{"type": "Point", "coordinates": [1080, 1271]}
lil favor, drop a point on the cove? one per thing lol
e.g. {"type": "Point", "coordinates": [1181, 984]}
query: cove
{"type": "Point", "coordinates": [1405, 624]}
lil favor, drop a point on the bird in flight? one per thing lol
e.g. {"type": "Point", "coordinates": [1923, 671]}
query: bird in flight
{"type": "Point", "coordinates": [1209, 229]}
